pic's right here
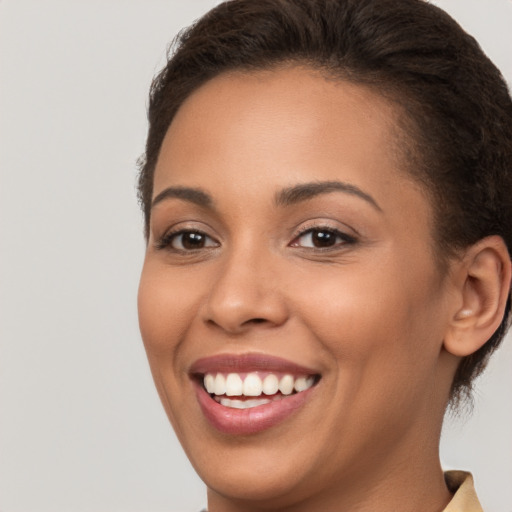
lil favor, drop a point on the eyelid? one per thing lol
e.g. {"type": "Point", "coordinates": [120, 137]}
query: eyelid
{"type": "Point", "coordinates": [326, 227]}
{"type": "Point", "coordinates": [164, 241]}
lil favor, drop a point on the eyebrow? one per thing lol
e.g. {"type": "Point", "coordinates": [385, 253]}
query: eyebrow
{"type": "Point", "coordinates": [192, 195]}
{"type": "Point", "coordinates": [304, 191]}
{"type": "Point", "coordinates": [286, 197]}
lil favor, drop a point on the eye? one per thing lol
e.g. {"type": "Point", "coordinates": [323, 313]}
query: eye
{"type": "Point", "coordinates": [322, 238]}
{"type": "Point", "coordinates": [187, 240]}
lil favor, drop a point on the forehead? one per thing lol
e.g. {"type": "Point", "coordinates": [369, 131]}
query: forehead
{"type": "Point", "coordinates": [265, 130]}
{"type": "Point", "coordinates": [280, 112]}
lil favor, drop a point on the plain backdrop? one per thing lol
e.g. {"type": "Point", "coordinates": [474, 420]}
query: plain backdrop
{"type": "Point", "coordinates": [81, 427]}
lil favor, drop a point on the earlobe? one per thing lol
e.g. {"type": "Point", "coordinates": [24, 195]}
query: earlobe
{"type": "Point", "coordinates": [483, 287]}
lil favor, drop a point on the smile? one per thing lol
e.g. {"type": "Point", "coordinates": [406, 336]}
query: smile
{"type": "Point", "coordinates": [251, 393]}
{"type": "Point", "coordinates": [254, 384]}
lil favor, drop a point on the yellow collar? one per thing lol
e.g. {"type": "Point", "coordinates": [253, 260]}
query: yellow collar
{"type": "Point", "coordinates": [464, 498]}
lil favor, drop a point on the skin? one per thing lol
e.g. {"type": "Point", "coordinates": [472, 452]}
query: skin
{"type": "Point", "coordinates": [373, 314]}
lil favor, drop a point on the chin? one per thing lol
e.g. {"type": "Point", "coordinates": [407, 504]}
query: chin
{"type": "Point", "coordinates": [270, 483]}
{"type": "Point", "coordinates": [276, 468]}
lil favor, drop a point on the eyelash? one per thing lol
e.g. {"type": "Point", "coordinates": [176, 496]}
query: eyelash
{"type": "Point", "coordinates": [167, 240]}
{"type": "Point", "coordinates": [345, 239]}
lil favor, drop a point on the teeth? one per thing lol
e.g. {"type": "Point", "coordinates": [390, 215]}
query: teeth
{"type": "Point", "coordinates": [253, 385]}
{"type": "Point", "coordinates": [243, 404]}
{"type": "Point", "coordinates": [270, 385]}
{"type": "Point", "coordinates": [209, 383]}
{"type": "Point", "coordinates": [303, 383]}
{"type": "Point", "coordinates": [220, 384]}
{"type": "Point", "coordinates": [234, 385]}
{"type": "Point", "coordinates": [286, 385]}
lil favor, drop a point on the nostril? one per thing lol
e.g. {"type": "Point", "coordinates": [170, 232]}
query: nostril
{"type": "Point", "coordinates": [256, 320]}
{"type": "Point", "coordinates": [238, 327]}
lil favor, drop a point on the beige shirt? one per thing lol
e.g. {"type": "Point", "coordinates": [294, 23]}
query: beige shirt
{"type": "Point", "coordinates": [464, 498]}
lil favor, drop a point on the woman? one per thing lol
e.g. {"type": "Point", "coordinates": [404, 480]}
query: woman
{"type": "Point", "coordinates": [326, 193]}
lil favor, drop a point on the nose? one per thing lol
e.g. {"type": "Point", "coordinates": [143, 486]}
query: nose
{"type": "Point", "coordinates": [245, 293]}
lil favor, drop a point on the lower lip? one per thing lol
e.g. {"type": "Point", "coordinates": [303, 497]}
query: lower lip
{"type": "Point", "coordinates": [253, 420]}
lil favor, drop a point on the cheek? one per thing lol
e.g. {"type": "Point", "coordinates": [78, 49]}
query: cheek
{"type": "Point", "coordinates": [378, 330]}
{"type": "Point", "coordinates": [374, 314]}
{"type": "Point", "coordinates": [164, 306]}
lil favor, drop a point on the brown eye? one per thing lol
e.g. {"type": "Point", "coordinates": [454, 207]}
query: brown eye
{"type": "Point", "coordinates": [190, 240]}
{"type": "Point", "coordinates": [322, 239]}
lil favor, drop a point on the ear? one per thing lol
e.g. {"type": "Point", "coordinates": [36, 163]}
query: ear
{"type": "Point", "coordinates": [483, 287]}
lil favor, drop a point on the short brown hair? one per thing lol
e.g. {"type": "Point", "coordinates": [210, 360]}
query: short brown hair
{"type": "Point", "coordinates": [454, 98]}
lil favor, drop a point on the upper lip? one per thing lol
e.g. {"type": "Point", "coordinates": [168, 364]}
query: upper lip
{"type": "Point", "coordinates": [240, 363]}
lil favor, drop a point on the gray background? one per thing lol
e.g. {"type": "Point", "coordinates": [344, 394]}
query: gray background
{"type": "Point", "coordinates": [81, 427]}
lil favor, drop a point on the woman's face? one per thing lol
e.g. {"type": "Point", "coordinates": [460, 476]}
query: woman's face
{"type": "Point", "coordinates": [288, 248]}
